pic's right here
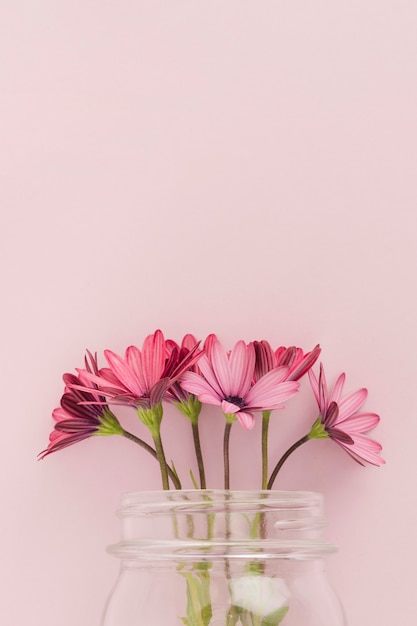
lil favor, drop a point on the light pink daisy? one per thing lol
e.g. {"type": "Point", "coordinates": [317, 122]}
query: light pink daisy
{"type": "Point", "coordinates": [340, 420]}
{"type": "Point", "coordinates": [227, 380]}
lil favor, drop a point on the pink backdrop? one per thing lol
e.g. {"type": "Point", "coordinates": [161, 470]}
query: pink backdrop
{"type": "Point", "coordinates": [238, 166]}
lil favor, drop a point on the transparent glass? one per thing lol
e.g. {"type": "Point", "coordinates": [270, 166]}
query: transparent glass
{"type": "Point", "coordinates": [222, 558]}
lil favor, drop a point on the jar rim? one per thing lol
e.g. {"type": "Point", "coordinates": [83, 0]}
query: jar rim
{"type": "Point", "coordinates": [142, 502]}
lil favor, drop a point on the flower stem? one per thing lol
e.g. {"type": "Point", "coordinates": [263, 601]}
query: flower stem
{"type": "Point", "coordinates": [284, 457]}
{"type": "Point", "coordinates": [175, 480]}
{"type": "Point", "coordinates": [226, 458]}
{"type": "Point", "coordinates": [265, 425]}
{"type": "Point", "coordinates": [199, 455]}
{"type": "Point", "coordinates": [162, 460]}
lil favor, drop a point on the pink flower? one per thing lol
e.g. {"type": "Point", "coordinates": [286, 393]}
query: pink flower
{"type": "Point", "coordinates": [294, 358]}
{"type": "Point", "coordinates": [81, 414]}
{"type": "Point", "coordinates": [176, 393]}
{"type": "Point", "coordinates": [227, 380]}
{"type": "Point", "coordinates": [339, 419]}
{"type": "Point", "coordinates": [142, 377]}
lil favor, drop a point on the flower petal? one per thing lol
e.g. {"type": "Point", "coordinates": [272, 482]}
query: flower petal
{"type": "Point", "coordinates": [134, 360]}
{"type": "Point", "coordinates": [337, 389]}
{"type": "Point", "coordinates": [220, 364]}
{"type": "Point", "coordinates": [197, 385]}
{"type": "Point", "coordinates": [351, 403]}
{"type": "Point", "coordinates": [153, 358]}
{"type": "Point", "coordinates": [229, 408]}
{"type": "Point", "coordinates": [270, 391]}
{"type": "Point", "coordinates": [359, 423]}
{"type": "Point", "coordinates": [123, 372]}
{"type": "Point", "coordinates": [246, 419]}
{"type": "Point", "coordinates": [208, 373]}
{"type": "Point", "coordinates": [242, 364]}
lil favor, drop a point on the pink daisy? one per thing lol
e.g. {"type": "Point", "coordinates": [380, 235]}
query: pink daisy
{"type": "Point", "coordinates": [227, 380]}
{"type": "Point", "coordinates": [340, 420]}
{"type": "Point", "coordinates": [81, 414]}
{"type": "Point", "coordinates": [294, 358]}
{"type": "Point", "coordinates": [142, 377]}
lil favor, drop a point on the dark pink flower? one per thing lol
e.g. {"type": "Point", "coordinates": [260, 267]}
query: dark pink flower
{"type": "Point", "coordinates": [340, 420]}
{"type": "Point", "coordinates": [294, 358]}
{"type": "Point", "coordinates": [142, 377]}
{"type": "Point", "coordinates": [81, 414]}
{"type": "Point", "coordinates": [176, 353]}
{"type": "Point", "coordinates": [227, 379]}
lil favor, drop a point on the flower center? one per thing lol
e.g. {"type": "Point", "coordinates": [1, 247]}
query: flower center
{"type": "Point", "coordinates": [237, 400]}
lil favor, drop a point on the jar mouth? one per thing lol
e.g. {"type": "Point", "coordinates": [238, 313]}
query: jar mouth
{"type": "Point", "coordinates": [194, 500]}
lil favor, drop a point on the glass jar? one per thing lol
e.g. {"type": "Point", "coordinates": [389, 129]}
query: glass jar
{"type": "Point", "coordinates": [222, 558]}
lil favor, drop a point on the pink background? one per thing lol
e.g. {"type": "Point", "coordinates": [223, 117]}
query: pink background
{"type": "Point", "coordinates": [238, 166]}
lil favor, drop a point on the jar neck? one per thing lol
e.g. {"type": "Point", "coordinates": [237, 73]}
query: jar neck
{"type": "Point", "coordinates": [207, 523]}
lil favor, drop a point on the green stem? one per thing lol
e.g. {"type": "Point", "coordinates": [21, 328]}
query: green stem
{"type": "Point", "coordinates": [175, 480]}
{"type": "Point", "coordinates": [199, 455]}
{"type": "Point", "coordinates": [226, 457]}
{"type": "Point", "coordinates": [284, 457]}
{"type": "Point", "coordinates": [265, 425]}
{"type": "Point", "coordinates": [162, 460]}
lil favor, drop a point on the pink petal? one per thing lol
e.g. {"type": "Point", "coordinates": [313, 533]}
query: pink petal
{"type": "Point", "coordinates": [337, 389]}
{"type": "Point", "coordinates": [153, 358]}
{"type": "Point", "coordinates": [366, 449]}
{"type": "Point", "coordinates": [208, 373]}
{"type": "Point", "coordinates": [123, 372]}
{"type": "Point", "coordinates": [351, 403]}
{"type": "Point", "coordinates": [323, 393]}
{"type": "Point", "coordinates": [242, 365]}
{"type": "Point", "coordinates": [134, 360]}
{"type": "Point", "coordinates": [210, 398]}
{"type": "Point", "coordinates": [59, 414]}
{"type": "Point", "coordinates": [98, 380]}
{"type": "Point", "coordinates": [314, 386]}
{"type": "Point", "coordinates": [303, 364]}
{"type": "Point", "coordinates": [208, 344]}
{"type": "Point", "coordinates": [270, 391]}
{"type": "Point", "coordinates": [246, 419]}
{"type": "Point", "coordinates": [265, 359]}
{"type": "Point", "coordinates": [359, 423]}
{"type": "Point", "coordinates": [188, 341]}
{"type": "Point", "coordinates": [197, 385]}
{"type": "Point", "coordinates": [220, 364]}
{"type": "Point", "coordinates": [229, 407]}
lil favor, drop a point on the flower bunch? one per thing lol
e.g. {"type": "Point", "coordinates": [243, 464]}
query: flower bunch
{"type": "Point", "coordinates": [250, 379]}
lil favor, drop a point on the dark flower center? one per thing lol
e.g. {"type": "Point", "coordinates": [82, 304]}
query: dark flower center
{"type": "Point", "coordinates": [237, 400]}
